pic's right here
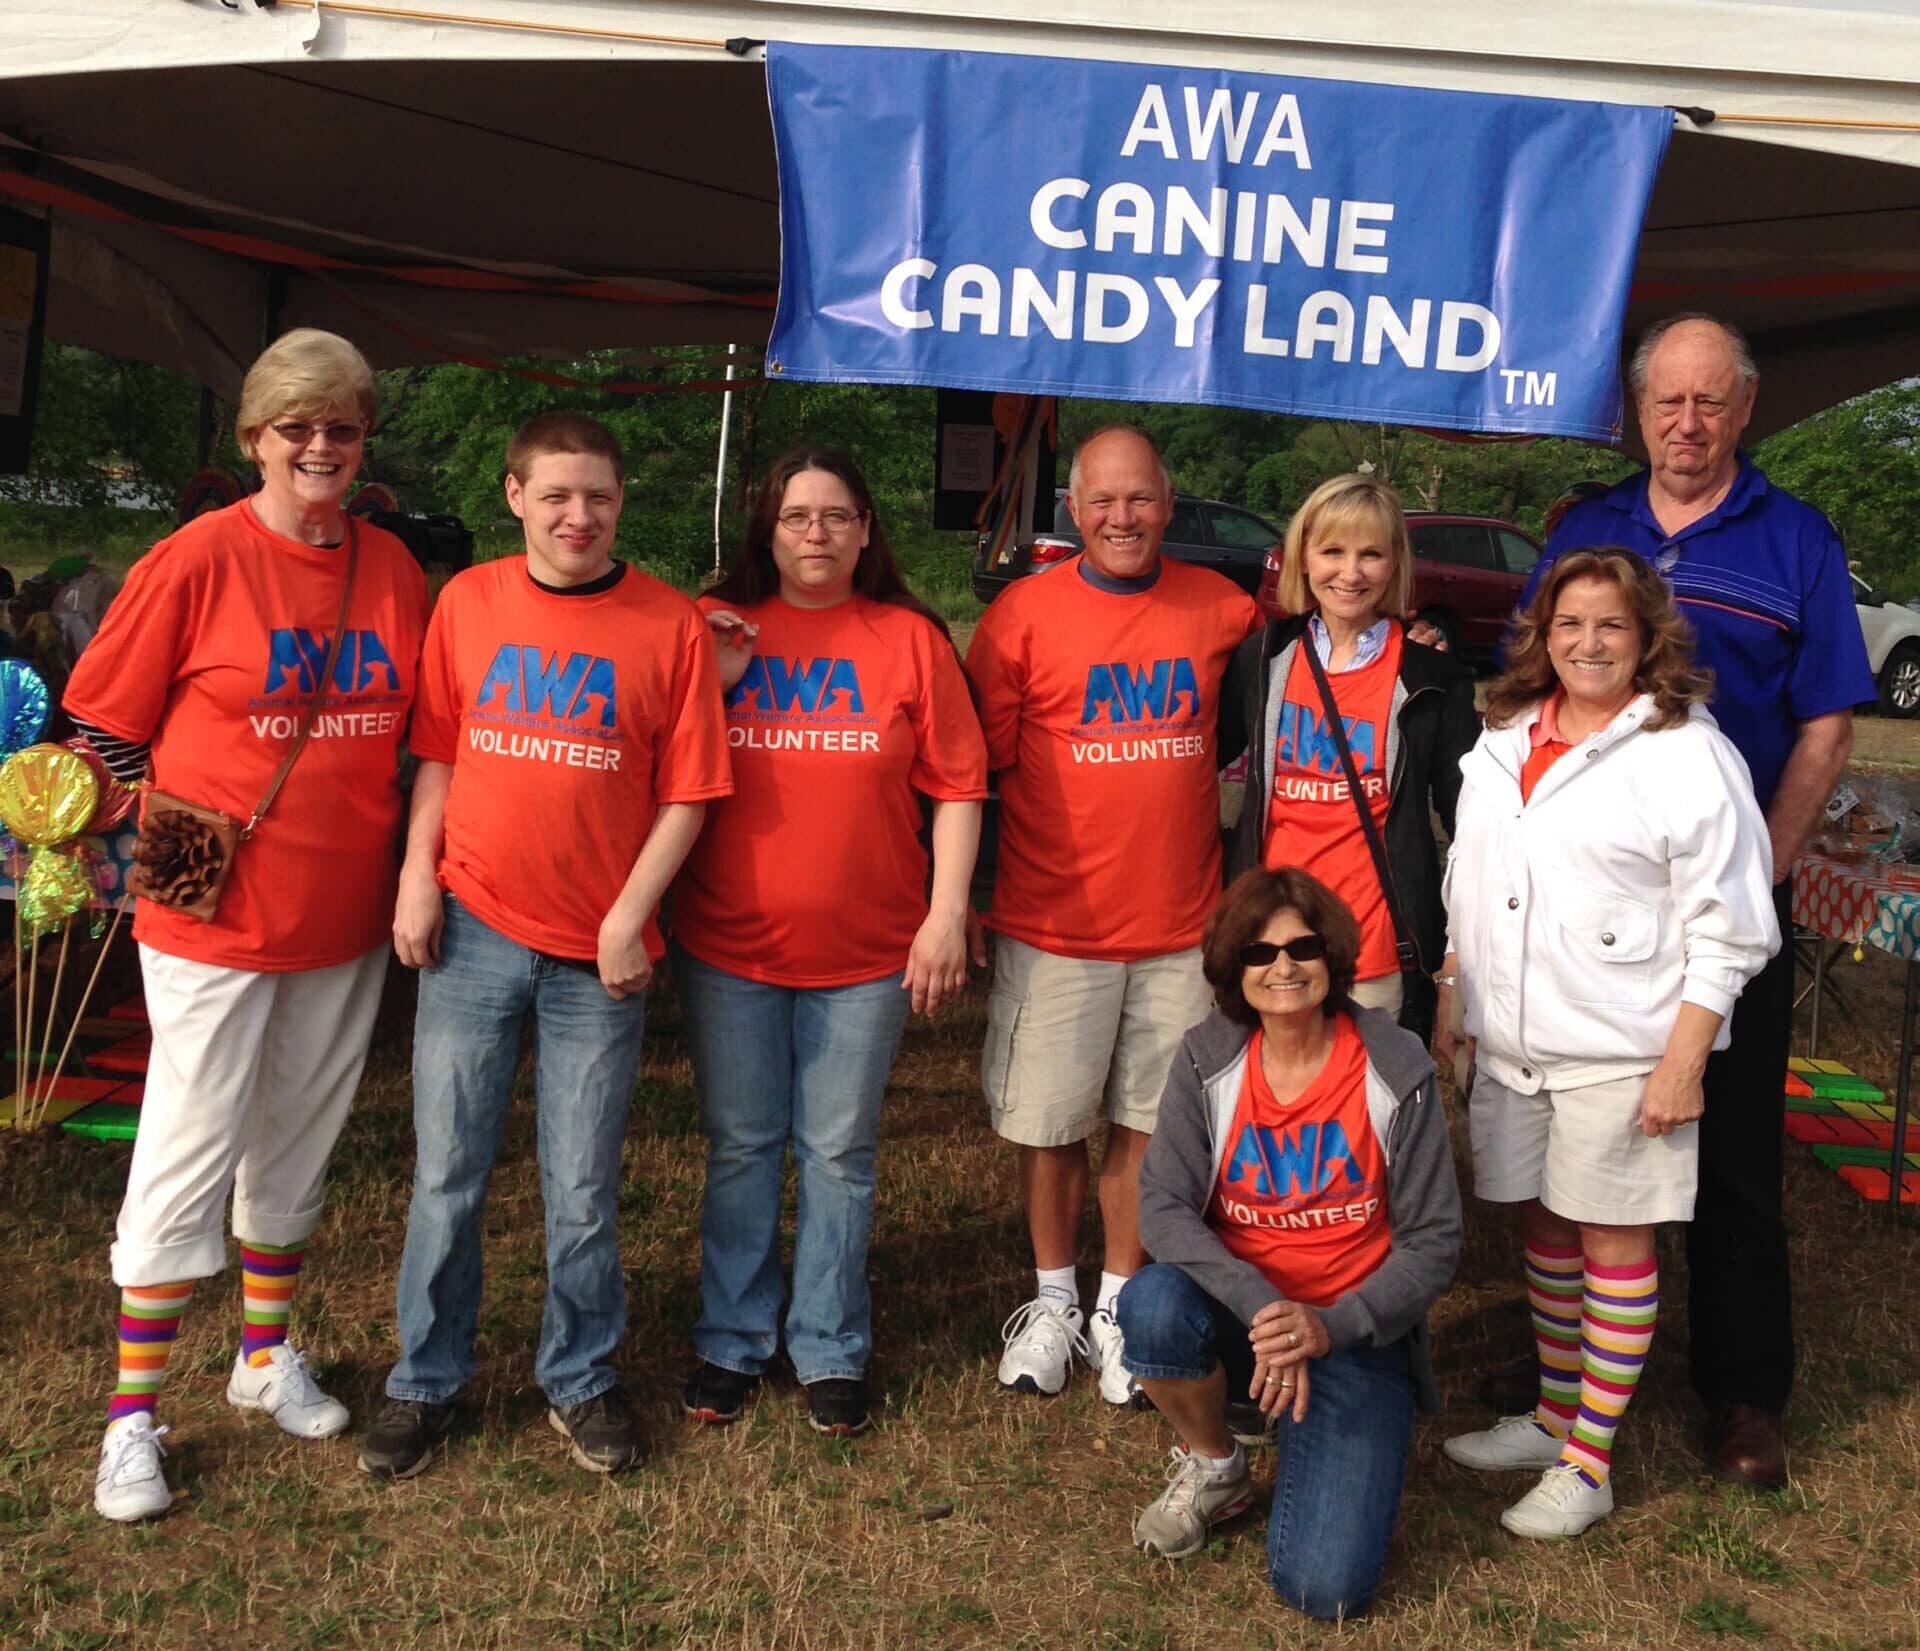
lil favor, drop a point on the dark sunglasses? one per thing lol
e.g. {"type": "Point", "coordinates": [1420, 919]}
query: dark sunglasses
{"type": "Point", "coordinates": [1302, 948]}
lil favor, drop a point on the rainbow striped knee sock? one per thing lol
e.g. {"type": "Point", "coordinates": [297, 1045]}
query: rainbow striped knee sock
{"type": "Point", "coordinates": [149, 1321]}
{"type": "Point", "coordinates": [1554, 1283]}
{"type": "Point", "coordinates": [1616, 1329]}
{"type": "Point", "coordinates": [268, 1273]}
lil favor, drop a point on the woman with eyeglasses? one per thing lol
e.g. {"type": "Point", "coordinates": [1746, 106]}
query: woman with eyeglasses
{"type": "Point", "coordinates": [205, 666]}
{"type": "Point", "coordinates": [1299, 1202]}
{"type": "Point", "coordinates": [1610, 895]}
{"type": "Point", "coordinates": [802, 926]}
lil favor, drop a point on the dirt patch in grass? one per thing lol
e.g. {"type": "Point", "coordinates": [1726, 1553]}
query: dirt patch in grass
{"type": "Point", "coordinates": [967, 1518]}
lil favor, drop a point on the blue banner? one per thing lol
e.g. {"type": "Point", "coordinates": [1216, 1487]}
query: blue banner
{"type": "Point", "coordinates": [1168, 234]}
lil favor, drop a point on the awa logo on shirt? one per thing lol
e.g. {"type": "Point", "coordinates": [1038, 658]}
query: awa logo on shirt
{"type": "Point", "coordinates": [297, 656]}
{"type": "Point", "coordinates": [1292, 1163]}
{"type": "Point", "coordinates": [523, 680]}
{"type": "Point", "coordinates": [786, 685]}
{"type": "Point", "coordinates": [1162, 691]}
{"type": "Point", "coordinates": [1305, 741]}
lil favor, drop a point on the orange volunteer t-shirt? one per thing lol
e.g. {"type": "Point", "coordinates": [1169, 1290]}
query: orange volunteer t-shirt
{"type": "Point", "coordinates": [1311, 822]}
{"type": "Point", "coordinates": [210, 652]}
{"type": "Point", "coordinates": [568, 720]}
{"type": "Point", "coordinates": [1099, 711]}
{"type": "Point", "coordinates": [1302, 1191]}
{"type": "Point", "coordinates": [812, 873]}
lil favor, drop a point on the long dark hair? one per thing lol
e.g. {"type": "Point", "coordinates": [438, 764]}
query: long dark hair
{"type": "Point", "coordinates": [753, 578]}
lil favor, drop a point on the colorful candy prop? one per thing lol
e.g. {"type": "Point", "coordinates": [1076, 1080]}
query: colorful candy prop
{"type": "Point", "coordinates": [116, 800]}
{"type": "Point", "coordinates": [23, 706]}
{"type": "Point", "coordinates": [48, 794]}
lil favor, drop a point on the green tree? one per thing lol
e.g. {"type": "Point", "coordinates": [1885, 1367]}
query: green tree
{"type": "Point", "coordinates": [106, 428]}
{"type": "Point", "coordinates": [1860, 463]}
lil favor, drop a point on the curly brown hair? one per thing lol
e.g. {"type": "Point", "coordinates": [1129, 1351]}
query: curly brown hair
{"type": "Point", "coordinates": [1666, 669]}
{"type": "Point", "coordinates": [1252, 898]}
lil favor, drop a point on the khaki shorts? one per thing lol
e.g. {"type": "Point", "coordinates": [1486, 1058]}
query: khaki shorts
{"type": "Point", "coordinates": [1581, 1153]}
{"type": "Point", "coordinates": [1070, 1040]}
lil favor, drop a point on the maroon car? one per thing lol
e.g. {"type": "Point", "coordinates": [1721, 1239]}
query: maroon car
{"type": "Point", "coordinates": [1468, 572]}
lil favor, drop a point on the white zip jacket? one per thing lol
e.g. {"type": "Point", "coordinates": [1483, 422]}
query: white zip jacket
{"type": "Point", "coordinates": [1638, 877]}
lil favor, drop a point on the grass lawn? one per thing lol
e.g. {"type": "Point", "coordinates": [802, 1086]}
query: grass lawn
{"type": "Point", "coordinates": [966, 1518]}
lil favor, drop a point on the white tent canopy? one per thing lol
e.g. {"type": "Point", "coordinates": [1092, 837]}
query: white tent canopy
{"type": "Point", "coordinates": [489, 177]}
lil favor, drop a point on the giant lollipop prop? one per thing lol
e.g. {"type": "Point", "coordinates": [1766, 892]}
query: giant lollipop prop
{"type": "Point", "coordinates": [48, 794]}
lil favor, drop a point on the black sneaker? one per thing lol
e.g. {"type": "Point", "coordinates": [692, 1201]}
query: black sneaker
{"type": "Point", "coordinates": [603, 1432]}
{"type": "Point", "coordinates": [838, 1405]}
{"type": "Point", "coordinates": [716, 1395]}
{"type": "Point", "coordinates": [404, 1438]}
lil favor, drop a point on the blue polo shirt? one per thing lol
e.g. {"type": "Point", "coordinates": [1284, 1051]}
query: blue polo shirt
{"type": "Point", "coordinates": [1764, 584]}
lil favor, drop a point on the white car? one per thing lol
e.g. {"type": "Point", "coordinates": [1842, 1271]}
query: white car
{"type": "Point", "coordinates": [1893, 648]}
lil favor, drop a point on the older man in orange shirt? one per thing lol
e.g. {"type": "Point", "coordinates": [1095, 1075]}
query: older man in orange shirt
{"type": "Point", "coordinates": [1099, 686]}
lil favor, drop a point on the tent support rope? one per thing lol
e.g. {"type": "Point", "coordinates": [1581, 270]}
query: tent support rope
{"type": "Point", "coordinates": [1710, 117]}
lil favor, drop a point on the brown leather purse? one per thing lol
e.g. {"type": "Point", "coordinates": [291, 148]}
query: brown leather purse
{"type": "Point", "coordinates": [184, 853]}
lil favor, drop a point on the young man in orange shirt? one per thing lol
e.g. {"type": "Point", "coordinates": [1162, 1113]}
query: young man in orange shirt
{"type": "Point", "coordinates": [1099, 686]}
{"type": "Point", "coordinates": [570, 734]}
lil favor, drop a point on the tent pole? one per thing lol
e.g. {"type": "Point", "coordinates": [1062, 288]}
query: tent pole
{"type": "Point", "coordinates": [720, 467]}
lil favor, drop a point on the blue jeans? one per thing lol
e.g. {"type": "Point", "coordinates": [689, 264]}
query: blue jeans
{"type": "Point", "coordinates": [466, 1047]}
{"type": "Point", "coordinates": [775, 1064]}
{"type": "Point", "coordinates": [1337, 1481]}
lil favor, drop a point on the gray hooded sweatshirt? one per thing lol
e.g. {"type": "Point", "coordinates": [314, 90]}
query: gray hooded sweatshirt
{"type": "Point", "coordinates": [1182, 1169]}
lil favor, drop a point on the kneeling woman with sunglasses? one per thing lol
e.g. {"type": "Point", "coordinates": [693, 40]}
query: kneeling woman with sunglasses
{"type": "Point", "coordinates": [1299, 1202]}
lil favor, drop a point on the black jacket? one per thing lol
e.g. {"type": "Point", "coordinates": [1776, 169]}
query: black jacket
{"type": "Point", "coordinates": [1434, 726]}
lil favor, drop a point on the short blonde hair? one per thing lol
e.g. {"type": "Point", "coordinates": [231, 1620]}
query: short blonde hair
{"type": "Point", "coordinates": [304, 374]}
{"type": "Point", "coordinates": [1339, 503]}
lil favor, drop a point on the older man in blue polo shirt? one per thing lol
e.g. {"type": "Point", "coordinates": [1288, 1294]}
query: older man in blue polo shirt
{"type": "Point", "coordinates": [1763, 581]}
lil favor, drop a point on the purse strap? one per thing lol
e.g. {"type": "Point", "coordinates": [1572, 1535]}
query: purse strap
{"type": "Point", "coordinates": [312, 711]}
{"type": "Point", "coordinates": [1403, 946]}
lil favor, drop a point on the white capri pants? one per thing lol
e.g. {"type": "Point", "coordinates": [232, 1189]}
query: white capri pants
{"type": "Point", "coordinates": [247, 1089]}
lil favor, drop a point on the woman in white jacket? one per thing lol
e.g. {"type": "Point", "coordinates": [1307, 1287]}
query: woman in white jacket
{"type": "Point", "coordinates": [1608, 897]}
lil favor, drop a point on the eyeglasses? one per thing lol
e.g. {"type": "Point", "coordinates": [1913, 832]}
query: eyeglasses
{"type": "Point", "coordinates": [1302, 948]}
{"type": "Point", "coordinates": [834, 521]}
{"type": "Point", "coordinates": [296, 433]}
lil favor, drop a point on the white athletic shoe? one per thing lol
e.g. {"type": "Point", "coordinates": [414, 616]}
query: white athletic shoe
{"type": "Point", "coordinates": [1513, 1442]}
{"type": "Point", "coordinates": [129, 1484]}
{"type": "Point", "coordinates": [1041, 1337]}
{"type": "Point", "coordinates": [283, 1388]}
{"type": "Point", "coordinates": [1104, 1348]}
{"type": "Point", "coordinates": [1196, 1499]}
{"type": "Point", "coordinates": [1562, 1504]}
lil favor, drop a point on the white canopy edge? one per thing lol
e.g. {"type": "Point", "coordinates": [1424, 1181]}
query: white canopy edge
{"type": "Point", "coordinates": [1801, 59]}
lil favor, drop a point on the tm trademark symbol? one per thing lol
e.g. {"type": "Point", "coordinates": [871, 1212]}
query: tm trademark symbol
{"type": "Point", "coordinates": [1535, 389]}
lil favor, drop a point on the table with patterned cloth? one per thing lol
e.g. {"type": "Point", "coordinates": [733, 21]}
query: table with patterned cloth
{"type": "Point", "coordinates": [1867, 902]}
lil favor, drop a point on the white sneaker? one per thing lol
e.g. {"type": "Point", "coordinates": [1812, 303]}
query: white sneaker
{"type": "Point", "coordinates": [129, 1484]}
{"type": "Point", "coordinates": [1041, 1339]}
{"type": "Point", "coordinates": [286, 1392]}
{"type": "Point", "coordinates": [1196, 1499]}
{"type": "Point", "coordinates": [1512, 1442]}
{"type": "Point", "coordinates": [1562, 1504]}
{"type": "Point", "coordinates": [1104, 1348]}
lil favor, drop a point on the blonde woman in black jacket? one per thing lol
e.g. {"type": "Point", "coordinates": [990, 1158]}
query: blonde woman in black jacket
{"type": "Point", "coordinates": [1407, 716]}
